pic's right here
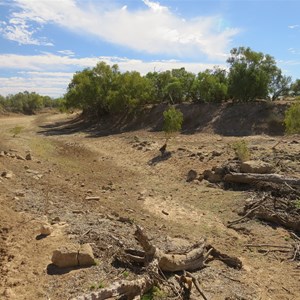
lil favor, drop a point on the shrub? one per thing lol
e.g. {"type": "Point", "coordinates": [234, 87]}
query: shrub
{"type": "Point", "coordinates": [173, 119]}
{"type": "Point", "coordinates": [292, 119]}
{"type": "Point", "coordinates": [241, 150]}
{"type": "Point", "coordinates": [16, 130]}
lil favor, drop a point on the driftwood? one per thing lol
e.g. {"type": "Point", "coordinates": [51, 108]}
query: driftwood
{"type": "Point", "coordinates": [124, 289]}
{"type": "Point", "coordinates": [253, 178]}
{"type": "Point", "coordinates": [155, 261]}
{"type": "Point", "coordinates": [193, 260]}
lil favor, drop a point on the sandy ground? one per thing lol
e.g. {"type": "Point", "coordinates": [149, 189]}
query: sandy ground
{"type": "Point", "coordinates": [126, 172]}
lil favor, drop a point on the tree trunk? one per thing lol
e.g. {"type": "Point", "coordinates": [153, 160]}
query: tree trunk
{"type": "Point", "coordinates": [252, 178]}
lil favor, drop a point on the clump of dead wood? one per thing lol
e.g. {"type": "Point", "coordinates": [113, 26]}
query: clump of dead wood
{"type": "Point", "coordinates": [276, 197]}
{"type": "Point", "coordinates": [154, 263]}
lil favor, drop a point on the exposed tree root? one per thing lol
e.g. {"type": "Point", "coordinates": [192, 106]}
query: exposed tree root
{"type": "Point", "coordinates": [156, 260]}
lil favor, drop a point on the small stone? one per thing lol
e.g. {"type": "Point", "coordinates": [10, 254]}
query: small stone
{"type": "Point", "coordinates": [2, 154]}
{"type": "Point", "coordinates": [72, 255]}
{"type": "Point", "coordinates": [28, 156]}
{"type": "Point", "coordinates": [86, 256]}
{"type": "Point", "coordinates": [7, 174]}
{"type": "Point", "coordinates": [92, 198]}
{"type": "Point", "coordinates": [216, 153]}
{"type": "Point", "coordinates": [46, 229]}
{"type": "Point", "coordinates": [192, 175]}
{"type": "Point", "coordinates": [20, 194]}
{"type": "Point", "coordinates": [56, 219]}
{"type": "Point", "coordinates": [256, 166]}
{"type": "Point", "coordinates": [9, 294]}
{"type": "Point", "coordinates": [20, 157]}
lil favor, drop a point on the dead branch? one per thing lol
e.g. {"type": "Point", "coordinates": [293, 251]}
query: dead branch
{"type": "Point", "coordinates": [268, 245]}
{"type": "Point", "coordinates": [193, 260]}
{"type": "Point", "coordinates": [252, 178]}
{"type": "Point", "coordinates": [156, 260]}
{"type": "Point", "coordinates": [230, 261]}
{"type": "Point", "coordinates": [231, 223]}
{"type": "Point", "coordinates": [196, 283]}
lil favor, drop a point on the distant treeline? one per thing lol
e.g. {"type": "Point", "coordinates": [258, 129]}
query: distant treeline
{"type": "Point", "coordinates": [105, 89]}
{"type": "Point", "coordinates": [251, 75]}
{"type": "Point", "coordinates": [28, 103]}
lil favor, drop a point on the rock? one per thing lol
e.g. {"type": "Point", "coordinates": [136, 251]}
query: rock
{"type": "Point", "coordinates": [18, 156]}
{"type": "Point", "coordinates": [2, 154]}
{"type": "Point", "coordinates": [214, 178]}
{"type": "Point", "coordinates": [72, 255]}
{"type": "Point", "coordinates": [66, 256]}
{"type": "Point", "coordinates": [46, 229]}
{"type": "Point", "coordinates": [216, 153]}
{"type": "Point", "coordinates": [20, 194]}
{"type": "Point", "coordinates": [28, 156]}
{"type": "Point", "coordinates": [7, 174]}
{"type": "Point", "coordinates": [256, 166]}
{"type": "Point", "coordinates": [92, 198]}
{"type": "Point", "coordinates": [192, 175]}
{"type": "Point", "coordinates": [207, 173]}
{"type": "Point", "coordinates": [56, 219]}
{"type": "Point", "coordinates": [9, 294]}
{"type": "Point", "coordinates": [86, 256]}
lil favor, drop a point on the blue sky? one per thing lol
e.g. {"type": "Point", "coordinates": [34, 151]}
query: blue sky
{"type": "Point", "coordinates": [43, 42]}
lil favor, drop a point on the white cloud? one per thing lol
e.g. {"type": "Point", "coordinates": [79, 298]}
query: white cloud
{"type": "Point", "coordinates": [50, 74]}
{"type": "Point", "coordinates": [155, 6]}
{"type": "Point", "coordinates": [294, 51]}
{"type": "Point", "coordinates": [44, 62]}
{"type": "Point", "coordinates": [50, 62]}
{"type": "Point", "coordinates": [18, 30]}
{"type": "Point", "coordinates": [293, 26]}
{"type": "Point", "coordinates": [53, 86]}
{"type": "Point", "coordinates": [66, 52]}
{"type": "Point", "coordinates": [154, 29]}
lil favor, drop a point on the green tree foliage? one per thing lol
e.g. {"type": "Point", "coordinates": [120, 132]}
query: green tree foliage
{"type": "Point", "coordinates": [292, 119]}
{"type": "Point", "coordinates": [173, 86]}
{"type": "Point", "coordinates": [250, 74]}
{"type": "Point", "coordinates": [280, 85]}
{"type": "Point", "coordinates": [295, 88]}
{"type": "Point", "coordinates": [89, 90]}
{"type": "Point", "coordinates": [210, 86]}
{"type": "Point", "coordinates": [131, 90]}
{"type": "Point", "coordinates": [25, 102]}
{"type": "Point", "coordinates": [159, 81]}
{"type": "Point", "coordinates": [173, 119]}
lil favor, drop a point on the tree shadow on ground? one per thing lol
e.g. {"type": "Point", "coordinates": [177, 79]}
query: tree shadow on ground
{"type": "Point", "coordinates": [54, 270]}
{"type": "Point", "coordinates": [65, 127]}
{"type": "Point", "coordinates": [159, 158]}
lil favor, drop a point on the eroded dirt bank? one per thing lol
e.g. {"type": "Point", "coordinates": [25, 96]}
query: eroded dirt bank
{"type": "Point", "coordinates": [134, 186]}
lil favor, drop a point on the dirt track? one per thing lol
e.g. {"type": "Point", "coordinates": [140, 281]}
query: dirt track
{"type": "Point", "coordinates": [133, 184]}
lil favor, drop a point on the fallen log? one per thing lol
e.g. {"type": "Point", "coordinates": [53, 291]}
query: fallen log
{"type": "Point", "coordinates": [193, 260]}
{"type": "Point", "coordinates": [155, 261]}
{"type": "Point", "coordinates": [124, 289]}
{"type": "Point", "coordinates": [253, 178]}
